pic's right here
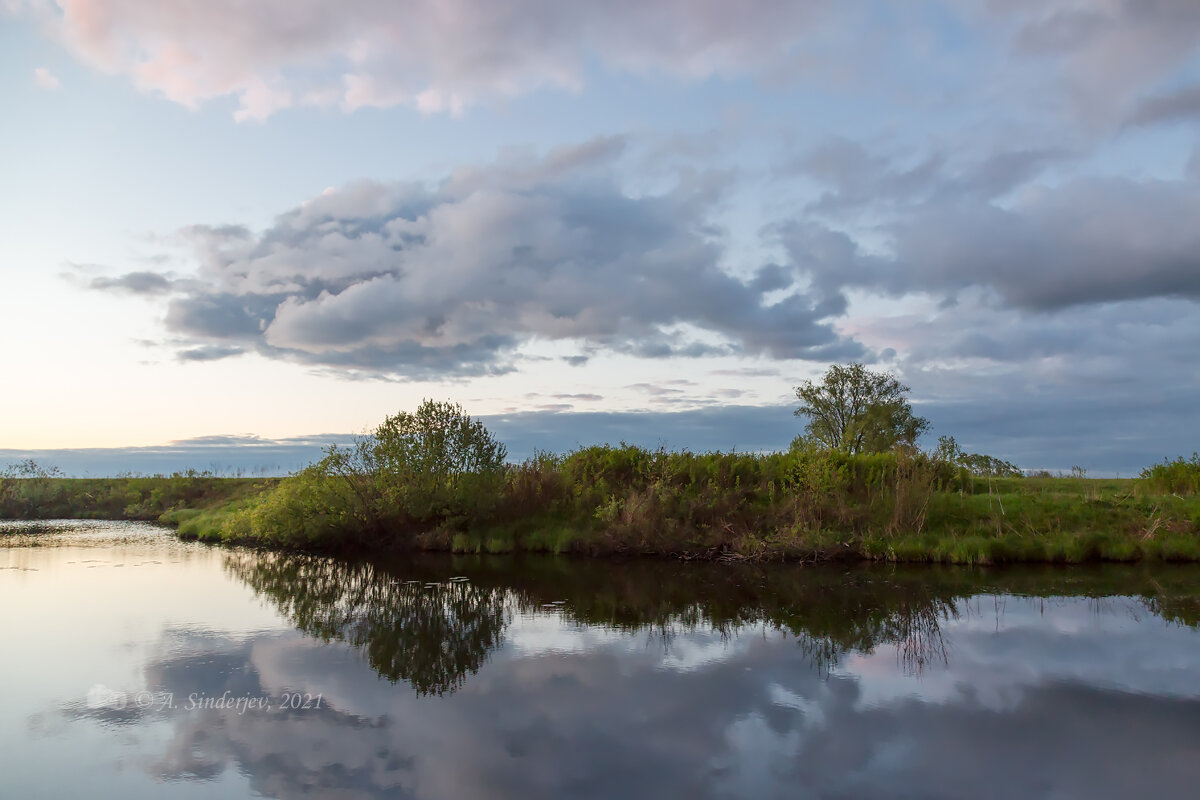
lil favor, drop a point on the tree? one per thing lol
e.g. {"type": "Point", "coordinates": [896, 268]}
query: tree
{"type": "Point", "coordinates": [421, 466]}
{"type": "Point", "coordinates": [981, 464]}
{"type": "Point", "coordinates": [856, 410]}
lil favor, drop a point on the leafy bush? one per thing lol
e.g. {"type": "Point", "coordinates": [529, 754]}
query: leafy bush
{"type": "Point", "coordinates": [415, 471]}
{"type": "Point", "coordinates": [1181, 476]}
{"type": "Point", "coordinates": [974, 464]}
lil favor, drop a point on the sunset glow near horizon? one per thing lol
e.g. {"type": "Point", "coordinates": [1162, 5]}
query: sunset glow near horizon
{"type": "Point", "coordinates": [298, 219]}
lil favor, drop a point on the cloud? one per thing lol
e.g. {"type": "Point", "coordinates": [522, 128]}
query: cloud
{"type": "Point", "coordinates": [1104, 52]}
{"type": "Point", "coordinates": [403, 279]}
{"type": "Point", "coordinates": [43, 78]}
{"type": "Point", "coordinates": [432, 55]}
{"type": "Point", "coordinates": [745, 372]}
{"type": "Point", "coordinates": [134, 283]}
{"type": "Point", "coordinates": [856, 178]}
{"type": "Point", "coordinates": [444, 56]}
{"type": "Point", "coordinates": [1083, 241]}
{"type": "Point", "coordinates": [586, 396]}
{"type": "Point", "coordinates": [209, 353]}
{"type": "Point", "coordinates": [1177, 106]}
{"type": "Point", "coordinates": [725, 707]}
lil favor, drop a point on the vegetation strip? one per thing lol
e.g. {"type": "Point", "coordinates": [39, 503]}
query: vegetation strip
{"type": "Point", "coordinates": [853, 486]}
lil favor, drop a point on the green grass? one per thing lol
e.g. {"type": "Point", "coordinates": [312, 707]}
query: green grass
{"type": "Point", "coordinates": [207, 524]}
{"type": "Point", "coordinates": [976, 522]}
{"type": "Point", "coordinates": [147, 498]}
{"type": "Point", "coordinates": [808, 506]}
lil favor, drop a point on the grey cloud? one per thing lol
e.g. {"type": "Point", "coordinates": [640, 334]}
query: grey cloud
{"type": "Point", "coordinates": [208, 353]}
{"type": "Point", "coordinates": [1106, 52]}
{"type": "Point", "coordinates": [219, 315]}
{"type": "Point", "coordinates": [1088, 241]}
{"type": "Point", "coordinates": [1084, 241]}
{"type": "Point", "coordinates": [134, 283]}
{"type": "Point", "coordinates": [580, 396]}
{"type": "Point", "coordinates": [745, 372]}
{"type": "Point", "coordinates": [554, 408]}
{"type": "Point", "coordinates": [771, 278]}
{"type": "Point", "coordinates": [1112, 389]}
{"type": "Point", "coordinates": [1181, 105]}
{"type": "Point", "coordinates": [426, 55]}
{"type": "Point", "coordinates": [411, 281]}
{"type": "Point", "coordinates": [216, 233]}
{"type": "Point", "coordinates": [221, 441]}
{"type": "Point", "coordinates": [857, 178]}
{"type": "Point", "coordinates": [654, 389]}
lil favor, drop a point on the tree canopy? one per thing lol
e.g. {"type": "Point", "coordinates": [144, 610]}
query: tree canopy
{"type": "Point", "coordinates": [857, 410]}
{"type": "Point", "coordinates": [416, 468]}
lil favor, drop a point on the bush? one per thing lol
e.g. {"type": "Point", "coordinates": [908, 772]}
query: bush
{"type": "Point", "coordinates": [1174, 477]}
{"type": "Point", "coordinates": [416, 471]}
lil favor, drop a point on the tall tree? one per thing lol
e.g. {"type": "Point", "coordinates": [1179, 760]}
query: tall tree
{"type": "Point", "coordinates": [857, 410]}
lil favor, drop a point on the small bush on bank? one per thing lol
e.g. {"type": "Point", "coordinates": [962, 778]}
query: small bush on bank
{"type": "Point", "coordinates": [416, 471]}
{"type": "Point", "coordinates": [1181, 476]}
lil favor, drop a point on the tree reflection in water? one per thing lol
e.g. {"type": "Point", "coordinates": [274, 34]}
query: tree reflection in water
{"type": "Point", "coordinates": [414, 624]}
{"type": "Point", "coordinates": [431, 636]}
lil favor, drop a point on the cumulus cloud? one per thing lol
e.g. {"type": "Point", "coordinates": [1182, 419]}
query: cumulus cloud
{"type": "Point", "coordinates": [43, 78]}
{"type": "Point", "coordinates": [417, 281]}
{"type": "Point", "coordinates": [433, 55]}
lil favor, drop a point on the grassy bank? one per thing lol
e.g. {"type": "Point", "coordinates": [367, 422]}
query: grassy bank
{"type": "Point", "coordinates": [807, 505]}
{"type": "Point", "coordinates": [40, 494]}
{"type": "Point", "coordinates": [799, 505]}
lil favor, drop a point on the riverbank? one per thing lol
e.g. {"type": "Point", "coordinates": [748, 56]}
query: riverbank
{"type": "Point", "coordinates": [1030, 520]}
{"type": "Point", "coordinates": [143, 498]}
{"type": "Point", "coordinates": [710, 507]}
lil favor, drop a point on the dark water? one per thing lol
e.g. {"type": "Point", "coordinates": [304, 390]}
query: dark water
{"type": "Point", "coordinates": [136, 666]}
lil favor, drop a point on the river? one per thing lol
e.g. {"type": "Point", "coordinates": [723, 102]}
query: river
{"type": "Point", "coordinates": [135, 665]}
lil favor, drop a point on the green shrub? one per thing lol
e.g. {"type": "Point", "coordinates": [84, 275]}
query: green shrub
{"type": "Point", "coordinates": [1173, 477]}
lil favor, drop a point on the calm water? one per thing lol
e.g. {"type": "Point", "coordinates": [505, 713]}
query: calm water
{"type": "Point", "coordinates": [137, 666]}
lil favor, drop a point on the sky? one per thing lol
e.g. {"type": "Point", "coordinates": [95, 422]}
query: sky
{"type": "Point", "coordinates": [234, 232]}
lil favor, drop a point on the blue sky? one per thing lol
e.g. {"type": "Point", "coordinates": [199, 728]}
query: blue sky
{"type": "Point", "coordinates": [645, 221]}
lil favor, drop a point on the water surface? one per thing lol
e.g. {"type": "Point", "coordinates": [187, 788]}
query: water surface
{"type": "Point", "coordinates": [138, 666]}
